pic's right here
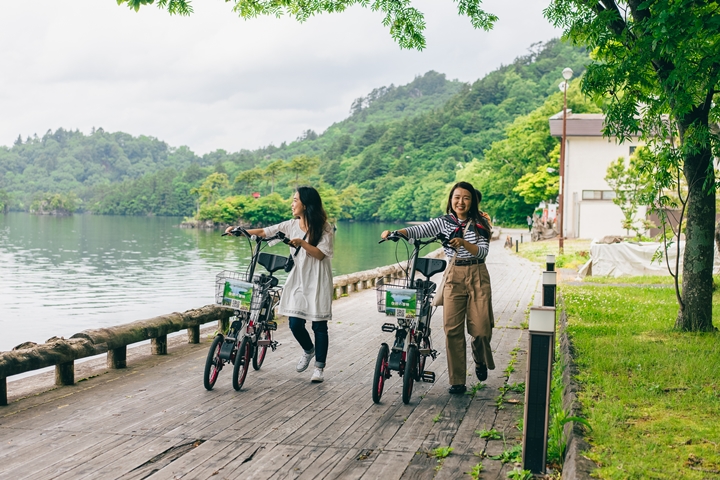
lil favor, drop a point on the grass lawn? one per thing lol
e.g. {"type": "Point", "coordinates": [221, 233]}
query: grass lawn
{"type": "Point", "coordinates": [576, 252]}
{"type": "Point", "coordinates": [651, 394]}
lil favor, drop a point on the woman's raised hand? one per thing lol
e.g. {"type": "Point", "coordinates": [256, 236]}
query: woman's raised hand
{"type": "Point", "coordinates": [385, 234]}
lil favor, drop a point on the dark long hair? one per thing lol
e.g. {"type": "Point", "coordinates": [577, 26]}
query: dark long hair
{"type": "Point", "coordinates": [474, 213]}
{"type": "Point", "coordinates": [315, 216]}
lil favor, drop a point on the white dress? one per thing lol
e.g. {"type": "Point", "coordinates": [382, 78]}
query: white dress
{"type": "Point", "coordinates": [308, 291]}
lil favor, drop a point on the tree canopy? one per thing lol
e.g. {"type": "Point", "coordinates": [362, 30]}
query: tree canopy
{"type": "Point", "coordinates": [657, 67]}
{"type": "Point", "coordinates": [406, 23]}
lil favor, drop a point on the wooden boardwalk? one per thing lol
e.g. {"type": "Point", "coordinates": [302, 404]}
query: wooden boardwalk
{"type": "Point", "coordinates": [155, 420]}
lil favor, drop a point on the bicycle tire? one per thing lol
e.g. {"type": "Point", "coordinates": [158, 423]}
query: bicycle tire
{"type": "Point", "coordinates": [411, 366]}
{"type": "Point", "coordinates": [426, 343]}
{"type": "Point", "coordinates": [242, 363]}
{"type": "Point", "coordinates": [260, 352]}
{"type": "Point", "coordinates": [381, 367]}
{"type": "Point", "coordinates": [213, 363]}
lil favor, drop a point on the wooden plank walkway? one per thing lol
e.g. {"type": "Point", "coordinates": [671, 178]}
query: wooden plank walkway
{"type": "Point", "coordinates": [155, 420]}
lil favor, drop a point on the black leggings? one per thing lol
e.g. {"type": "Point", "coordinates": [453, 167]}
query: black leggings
{"type": "Point", "coordinates": [297, 326]}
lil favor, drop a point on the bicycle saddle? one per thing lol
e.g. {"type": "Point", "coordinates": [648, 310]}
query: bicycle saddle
{"type": "Point", "coordinates": [430, 266]}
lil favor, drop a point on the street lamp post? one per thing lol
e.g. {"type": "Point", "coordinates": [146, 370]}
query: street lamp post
{"type": "Point", "coordinates": [567, 74]}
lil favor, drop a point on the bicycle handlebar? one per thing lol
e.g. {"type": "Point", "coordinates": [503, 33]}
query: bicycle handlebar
{"type": "Point", "coordinates": [238, 231]}
{"type": "Point", "coordinates": [440, 237]}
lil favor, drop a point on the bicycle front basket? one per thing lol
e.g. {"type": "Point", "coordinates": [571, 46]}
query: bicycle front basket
{"type": "Point", "coordinates": [396, 299]}
{"type": "Point", "coordinates": [234, 290]}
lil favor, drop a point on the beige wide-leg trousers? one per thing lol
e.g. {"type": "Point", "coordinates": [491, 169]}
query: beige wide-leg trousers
{"type": "Point", "coordinates": [467, 298]}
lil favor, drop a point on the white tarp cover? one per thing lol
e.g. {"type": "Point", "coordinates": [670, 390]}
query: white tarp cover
{"type": "Point", "coordinates": [632, 259]}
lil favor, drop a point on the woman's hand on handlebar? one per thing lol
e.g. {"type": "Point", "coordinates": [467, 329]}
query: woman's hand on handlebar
{"type": "Point", "coordinates": [394, 235]}
{"type": "Point", "coordinates": [458, 242]}
{"type": "Point", "coordinates": [296, 242]}
{"type": "Point", "coordinates": [236, 231]}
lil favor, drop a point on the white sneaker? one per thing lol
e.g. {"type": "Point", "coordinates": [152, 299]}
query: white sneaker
{"type": "Point", "coordinates": [305, 360]}
{"type": "Point", "coordinates": [317, 375]}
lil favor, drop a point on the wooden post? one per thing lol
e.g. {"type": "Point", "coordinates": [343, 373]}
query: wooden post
{"type": "Point", "coordinates": [194, 334]}
{"type": "Point", "coordinates": [158, 346]}
{"type": "Point", "coordinates": [65, 373]}
{"type": "Point", "coordinates": [117, 358]}
{"type": "Point", "coordinates": [3, 392]}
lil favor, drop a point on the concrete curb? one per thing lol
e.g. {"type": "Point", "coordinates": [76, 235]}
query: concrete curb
{"type": "Point", "coordinates": [577, 466]}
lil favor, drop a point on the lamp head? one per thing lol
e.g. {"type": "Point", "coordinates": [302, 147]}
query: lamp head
{"type": "Point", "coordinates": [567, 73]}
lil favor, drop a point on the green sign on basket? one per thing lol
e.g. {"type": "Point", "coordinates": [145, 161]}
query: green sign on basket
{"type": "Point", "coordinates": [237, 294]}
{"type": "Point", "coordinates": [400, 302]}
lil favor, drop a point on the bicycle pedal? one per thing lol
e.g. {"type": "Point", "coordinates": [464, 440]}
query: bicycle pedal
{"type": "Point", "coordinates": [428, 377]}
{"type": "Point", "coordinates": [272, 326]}
{"type": "Point", "coordinates": [389, 327]}
{"type": "Point", "coordinates": [274, 345]}
{"type": "Point", "coordinates": [433, 354]}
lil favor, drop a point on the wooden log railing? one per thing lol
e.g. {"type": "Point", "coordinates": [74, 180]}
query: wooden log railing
{"type": "Point", "coordinates": [62, 353]}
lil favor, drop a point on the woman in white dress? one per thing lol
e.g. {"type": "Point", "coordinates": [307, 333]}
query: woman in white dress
{"type": "Point", "coordinates": [307, 294]}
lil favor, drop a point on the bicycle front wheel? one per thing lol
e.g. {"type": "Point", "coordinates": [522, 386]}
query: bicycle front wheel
{"type": "Point", "coordinates": [242, 363]}
{"type": "Point", "coordinates": [381, 368]}
{"type": "Point", "coordinates": [411, 367]}
{"type": "Point", "coordinates": [260, 351]}
{"type": "Point", "coordinates": [213, 364]}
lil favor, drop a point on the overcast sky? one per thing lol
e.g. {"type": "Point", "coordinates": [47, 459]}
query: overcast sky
{"type": "Point", "coordinates": [213, 80]}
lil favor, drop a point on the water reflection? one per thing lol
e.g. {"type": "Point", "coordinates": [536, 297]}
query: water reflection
{"type": "Point", "coordinates": [59, 276]}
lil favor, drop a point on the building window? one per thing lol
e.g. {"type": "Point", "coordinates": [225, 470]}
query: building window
{"type": "Point", "coordinates": [598, 194]}
{"type": "Point", "coordinates": [632, 150]}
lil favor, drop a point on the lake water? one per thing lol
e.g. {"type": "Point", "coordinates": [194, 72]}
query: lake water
{"type": "Point", "coordinates": [62, 275]}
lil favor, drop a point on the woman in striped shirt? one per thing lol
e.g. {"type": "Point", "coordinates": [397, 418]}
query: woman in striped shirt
{"type": "Point", "coordinates": [467, 296]}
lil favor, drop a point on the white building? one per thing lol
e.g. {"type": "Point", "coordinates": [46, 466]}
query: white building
{"type": "Point", "coordinates": [587, 202]}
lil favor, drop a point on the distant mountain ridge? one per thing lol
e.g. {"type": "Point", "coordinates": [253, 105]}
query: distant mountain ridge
{"type": "Point", "coordinates": [390, 159]}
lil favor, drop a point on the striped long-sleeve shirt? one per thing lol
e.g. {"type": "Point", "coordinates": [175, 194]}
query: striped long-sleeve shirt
{"type": "Point", "coordinates": [447, 227]}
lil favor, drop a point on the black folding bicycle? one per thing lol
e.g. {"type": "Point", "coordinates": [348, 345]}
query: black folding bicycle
{"type": "Point", "coordinates": [410, 301]}
{"type": "Point", "coordinates": [254, 298]}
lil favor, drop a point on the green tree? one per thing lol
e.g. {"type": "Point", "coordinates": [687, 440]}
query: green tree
{"type": "Point", "coordinates": [267, 210]}
{"type": "Point", "coordinates": [301, 166]}
{"type": "Point", "coordinates": [658, 65]}
{"type": "Point", "coordinates": [210, 188]}
{"type": "Point", "coordinates": [542, 185]}
{"type": "Point", "coordinates": [54, 204]}
{"type": "Point", "coordinates": [4, 201]}
{"type": "Point", "coordinates": [248, 178]}
{"type": "Point", "coordinates": [630, 184]}
{"type": "Point", "coordinates": [273, 170]}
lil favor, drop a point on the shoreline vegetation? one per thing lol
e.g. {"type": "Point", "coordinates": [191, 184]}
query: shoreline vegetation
{"type": "Point", "coordinates": [648, 391]}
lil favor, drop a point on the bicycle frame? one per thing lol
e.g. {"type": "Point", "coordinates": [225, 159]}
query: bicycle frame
{"type": "Point", "coordinates": [417, 327]}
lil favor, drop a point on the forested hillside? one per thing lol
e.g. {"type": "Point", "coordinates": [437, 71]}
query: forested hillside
{"type": "Point", "coordinates": [391, 159]}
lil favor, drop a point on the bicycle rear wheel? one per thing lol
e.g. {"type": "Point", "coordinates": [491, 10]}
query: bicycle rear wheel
{"type": "Point", "coordinates": [242, 363]}
{"type": "Point", "coordinates": [411, 367]}
{"type": "Point", "coordinates": [213, 364]}
{"type": "Point", "coordinates": [381, 369]}
{"type": "Point", "coordinates": [259, 353]}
